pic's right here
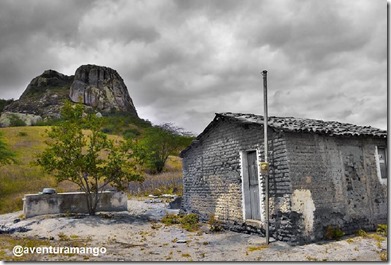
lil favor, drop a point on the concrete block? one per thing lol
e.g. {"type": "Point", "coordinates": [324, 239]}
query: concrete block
{"type": "Point", "coordinates": [71, 202]}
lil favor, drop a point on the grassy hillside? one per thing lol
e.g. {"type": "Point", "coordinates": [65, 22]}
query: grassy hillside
{"type": "Point", "coordinates": [16, 180]}
{"type": "Point", "coordinates": [23, 178]}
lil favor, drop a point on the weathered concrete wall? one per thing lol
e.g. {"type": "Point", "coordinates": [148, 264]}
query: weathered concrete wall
{"type": "Point", "coordinates": [72, 202]}
{"type": "Point", "coordinates": [334, 182]}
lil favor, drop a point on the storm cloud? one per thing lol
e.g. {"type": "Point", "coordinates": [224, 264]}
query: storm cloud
{"type": "Point", "coordinates": [183, 61]}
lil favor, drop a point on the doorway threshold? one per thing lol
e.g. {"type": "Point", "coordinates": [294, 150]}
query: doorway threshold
{"type": "Point", "coordinates": [254, 223]}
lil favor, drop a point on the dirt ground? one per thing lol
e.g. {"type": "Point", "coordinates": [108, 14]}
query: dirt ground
{"type": "Point", "coordinates": [138, 235]}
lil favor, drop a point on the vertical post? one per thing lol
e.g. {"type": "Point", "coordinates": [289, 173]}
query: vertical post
{"type": "Point", "coordinates": [265, 146]}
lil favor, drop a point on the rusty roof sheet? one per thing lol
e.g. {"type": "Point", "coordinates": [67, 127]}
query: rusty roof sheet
{"type": "Point", "coordinates": [292, 124]}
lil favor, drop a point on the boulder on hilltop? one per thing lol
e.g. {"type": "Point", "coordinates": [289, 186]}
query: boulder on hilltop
{"type": "Point", "coordinates": [101, 88]}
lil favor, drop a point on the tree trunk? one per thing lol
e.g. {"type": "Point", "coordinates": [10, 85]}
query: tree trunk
{"type": "Point", "coordinates": [91, 206]}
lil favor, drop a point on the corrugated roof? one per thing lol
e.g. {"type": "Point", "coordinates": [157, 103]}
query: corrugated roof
{"type": "Point", "coordinates": [292, 124]}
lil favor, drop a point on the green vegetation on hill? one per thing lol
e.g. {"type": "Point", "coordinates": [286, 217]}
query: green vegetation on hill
{"type": "Point", "coordinates": [21, 178]}
{"type": "Point", "coordinates": [24, 177]}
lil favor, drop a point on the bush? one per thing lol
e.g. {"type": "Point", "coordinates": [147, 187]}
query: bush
{"type": "Point", "coordinates": [190, 222]}
{"type": "Point", "coordinates": [22, 134]}
{"type": "Point", "coordinates": [15, 121]}
{"type": "Point", "coordinates": [361, 233]}
{"type": "Point", "coordinates": [107, 130]}
{"type": "Point", "coordinates": [333, 233]}
{"type": "Point", "coordinates": [130, 133]}
{"type": "Point", "coordinates": [170, 219]}
{"type": "Point", "coordinates": [382, 229]}
{"type": "Point", "coordinates": [215, 225]}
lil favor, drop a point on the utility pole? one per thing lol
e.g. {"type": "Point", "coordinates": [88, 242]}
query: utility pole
{"type": "Point", "coordinates": [265, 164]}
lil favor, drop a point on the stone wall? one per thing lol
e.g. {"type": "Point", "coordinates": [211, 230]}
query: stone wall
{"type": "Point", "coordinates": [71, 202]}
{"type": "Point", "coordinates": [314, 181]}
{"type": "Point", "coordinates": [213, 173]}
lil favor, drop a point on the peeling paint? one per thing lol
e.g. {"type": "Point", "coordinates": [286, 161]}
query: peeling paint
{"type": "Point", "coordinates": [302, 203]}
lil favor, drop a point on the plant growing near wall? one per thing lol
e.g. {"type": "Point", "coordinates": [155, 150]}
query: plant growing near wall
{"type": "Point", "coordinates": [190, 223]}
{"type": "Point", "coordinates": [382, 229]}
{"type": "Point", "coordinates": [89, 159]}
{"type": "Point", "coordinates": [333, 233]}
{"type": "Point", "coordinates": [214, 224]}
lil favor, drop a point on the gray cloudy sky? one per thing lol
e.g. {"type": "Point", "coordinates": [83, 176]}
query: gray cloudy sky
{"type": "Point", "coordinates": [183, 60]}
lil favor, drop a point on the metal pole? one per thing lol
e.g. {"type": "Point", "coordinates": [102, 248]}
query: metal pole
{"type": "Point", "coordinates": [266, 172]}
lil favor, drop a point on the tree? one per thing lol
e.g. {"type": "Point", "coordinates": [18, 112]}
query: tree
{"type": "Point", "coordinates": [158, 142]}
{"type": "Point", "coordinates": [6, 155]}
{"type": "Point", "coordinates": [88, 158]}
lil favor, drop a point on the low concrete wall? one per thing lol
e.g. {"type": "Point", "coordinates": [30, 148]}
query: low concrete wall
{"type": "Point", "coordinates": [71, 202]}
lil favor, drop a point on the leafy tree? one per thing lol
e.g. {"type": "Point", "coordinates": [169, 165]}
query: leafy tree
{"type": "Point", "coordinates": [89, 159]}
{"type": "Point", "coordinates": [158, 142]}
{"type": "Point", "coordinates": [6, 155]}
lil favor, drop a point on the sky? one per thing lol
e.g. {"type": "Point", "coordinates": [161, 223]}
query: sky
{"type": "Point", "coordinates": [183, 61]}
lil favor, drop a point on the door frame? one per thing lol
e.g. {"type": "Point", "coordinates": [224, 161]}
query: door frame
{"type": "Point", "coordinates": [244, 174]}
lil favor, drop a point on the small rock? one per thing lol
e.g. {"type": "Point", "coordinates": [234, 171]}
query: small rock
{"type": "Point", "coordinates": [257, 241]}
{"type": "Point", "coordinates": [168, 196]}
{"type": "Point", "coordinates": [17, 220]}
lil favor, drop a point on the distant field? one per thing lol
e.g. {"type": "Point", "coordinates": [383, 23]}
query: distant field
{"type": "Point", "coordinates": [23, 178]}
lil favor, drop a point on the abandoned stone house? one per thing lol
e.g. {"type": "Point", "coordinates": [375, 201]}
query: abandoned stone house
{"type": "Point", "coordinates": [321, 174]}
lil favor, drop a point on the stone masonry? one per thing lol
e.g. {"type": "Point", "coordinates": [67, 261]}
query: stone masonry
{"type": "Point", "coordinates": [315, 179]}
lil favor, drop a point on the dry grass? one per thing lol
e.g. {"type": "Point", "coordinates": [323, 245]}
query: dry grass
{"type": "Point", "coordinates": [169, 182]}
{"type": "Point", "coordinates": [7, 243]}
{"type": "Point", "coordinates": [257, 248]}
{"type": "Point", "coordinates": [19, 179]}
{"type": "Point", "coordinates": [24, 177]}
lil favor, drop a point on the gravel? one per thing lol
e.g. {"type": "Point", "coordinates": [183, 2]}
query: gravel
{"type": "Point", "coordinates": [138, 235]}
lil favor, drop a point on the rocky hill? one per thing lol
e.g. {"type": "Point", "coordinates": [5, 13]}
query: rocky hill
{"type": "Point", "coordinates": [97, 87]}
{"type": "Point", "coordinates": [101, 88]}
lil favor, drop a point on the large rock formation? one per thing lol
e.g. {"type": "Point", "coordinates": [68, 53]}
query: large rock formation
{"type": "Point", "coordinates": [44, 96]}
{"type": "Point", "coordinates": [101, 88]}
{"type": "Point", "coordinates": [97, 87]}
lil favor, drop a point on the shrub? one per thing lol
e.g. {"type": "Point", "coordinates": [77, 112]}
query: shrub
{"type": "Point", "coordinates": [107, 130]}
{"type": "Point", "coordinates": [382, 229]}
{"type": "Point", "coordinates": [22, 134]}
{"type": "Point", "coordinates": [215, 225]}
{"type": "Point", "coordinates": [333, 233]}
{"type": "Point", "coordinates": [170, 219]}
{"type": "Point", "coordinates": [190, 222]}
{"type": "Point", "coordinates": [361, 233]}
{"type": "Point", "coordinates": [383, 256]}
{"type": "Point", "coordinates": [15, 121]}
{"type": "Point", "coordinates": [131, 133]}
